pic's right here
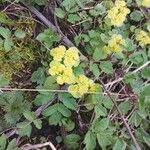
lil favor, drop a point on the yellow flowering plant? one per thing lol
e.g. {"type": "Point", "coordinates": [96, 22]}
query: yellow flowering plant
{"type": "Point", "coordinates": [62, 67]}
{"type": "Point", "coordinates": [117, 14]}
{"type": "Point", "coordinates": [89, 75]}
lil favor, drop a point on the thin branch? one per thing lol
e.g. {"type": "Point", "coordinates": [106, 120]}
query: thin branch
{"type": "Point", "coordinates": [36, 146]}
{"type": "Point", "coordinates": [135, 71]}
{"type": "Point", "coordinates": [122, 118]}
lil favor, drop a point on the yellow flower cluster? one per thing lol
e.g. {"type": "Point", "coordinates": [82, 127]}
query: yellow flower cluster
{"type": "Point", "coordinates": [81, 86]}
{"type": "Point", "coordinates": [143, 38]}
{"type": "Point", "coordinates": [118, 13]}
{"type": "Point", "coordinates": [62, 68]}
{"type": "Point", "coordinates": [114, 44]}
{"type": "Point", "coordinates": [63, 61]}
{"type": "Point", "coordinates": [146, 3]}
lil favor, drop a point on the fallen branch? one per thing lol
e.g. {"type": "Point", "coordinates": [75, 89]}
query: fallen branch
{"type": "Point", "coordinates": [37, 146]}
{"type": "Point", "coordinates": [64, 39]}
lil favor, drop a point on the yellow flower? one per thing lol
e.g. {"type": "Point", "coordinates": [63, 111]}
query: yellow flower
{"type": "Point", "coordinates": [146, 3]}
{"type": "Point", "coordinates": [73, 89]}
{"type": "Point", "coordinates": [66, 76]}
{"type": "Point", "coordinates": [71, 57]}
{"type": "Point", "coordinates": [143, 38]}
{"type": "Point", "coordinates": [56, 68]}
{"type": "Point", "coordinates": [58, 53]}
{"type": "Point", "coordinates": [118, 13]}
{"type": "Point", "coordinates": [114, 44]}
{"type": "Point", "coordinates": [93, 88]}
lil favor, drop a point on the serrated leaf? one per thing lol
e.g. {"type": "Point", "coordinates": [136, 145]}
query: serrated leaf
{"type": "Point", "coordinates": [3, 81]}
{"type": "Point", "coordinates": [8, 43]}
{"type": "Point", "coordinates": [90, 141]}
{"type": "Point", "coordinates": [50, 110]}
{"type": "Point", "coordinates": [68, 124]}
{"type": "Point", "coordinates": [146, 73]}
{"type": "Point", "coordinates": [107, 102]}
{"type": "Point", "coordinates": [99, 54]}
{"type": "Point", "coordinates": [106, 67]}
{"type": "Point", "coordinates": [73, 18]}
{"type": "Point", "coordinates": [38, 123]}
{"type": "Point", "coordinates": [136, 15]}
{"type": "Point", "coordinates": [100, 111]}
{"type": "Point", "coordinates": [60, 13]}
{"type": "Point", "coordinates": [100, 125]}
{"type": "Point", "coordinates": [29, 115]}
{"type": "Point", "coordinates": [2, 142]}
{"type": "Point", "coordinates": [147, 140]}
{"type": "Point", "coordinates": [25, 129]}
{"type": "Point", "coordinates": [50, 83]}
{"type": "Point", "coordinates": [55, 118]}
{"type": "Point", "coordinates": [64, 110]}
{"type": "Point", "coordinates": [12, 145]}
{"type": "Point", "coordinates": [42, 99]}
{"type": "Point", "coordinates": [125, 107]}
{"type": "Point", "coordinates": [94, 68]}
{"type": "Point", "coordinates": [71, 141]}
{"type": "Point", "coordinates": [68, 100]}
{"type": "Point", "coordinates": [104, 139]}
{"type": "Point", "coordinates": [119, 145]}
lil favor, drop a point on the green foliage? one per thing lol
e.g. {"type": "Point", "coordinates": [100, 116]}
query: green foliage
{"type": "Point", "coordinates": [13, 104]}
{"type": "Point", "coordinates": [91, 121]}
{"type": "Point", "coordinates": [48, 37]}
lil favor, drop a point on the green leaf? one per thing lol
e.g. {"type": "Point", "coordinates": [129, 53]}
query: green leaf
{"type": "Point", "coordinates": [20, 34]}
{"type": "Point", "coordinates": [100, 111]}
{"type": "Point", "coordinates": [24, 128]}
{"type": "Point", "coordinates": [147, 140]}
{"type": "Point", "coordinates": [60, 13]}
{"type": "Point", "coordinates": [68, 100]}
{"type": "Point", "coordinates": [64, 110]}
{"type": "Point", "coordinates": [8, 43]}
{"type": "Point", "coordinates": [106, 67]}
{"type": "Point", "coordinates": [68, 124]}
{"type": "Point", "coordinates": [48, 37]}
{"type": "Point", "coordinates": [99, 54]}
{"type": "Point", "coordinates": [100, 125]}
{"type": "Point", "coordinates": [5, 19]}
{"type": "Point", "coordinates": [5, 32]}
{"type": "Point", "coordinates": [146, 73]}
{"type": "Point", "coordinates": [100, 8]}
{"type": "Point", "coordinates": [125, 107]}
{"type": "Point", "coordinates": [55, 118]}
{"type": "Point", "coordinates": [104, 139]}
{"type": "Point", "coordinates": [43, 98]}
{"type": "Point", "coordinates": [94, 68]}
{"type": "Point", "coordinates": [12, 145]}
{"type": "Point", "coordinates": [38, 76]}
{"type": "Point", "coordinates": [90, 141]}
{"type": "Point", "coordinates": [71, 141]}
{"type": "Point", "coordinates": [29, 115]}
{"type": "Point", "coordinates": [2, 142]}
{"type": "Point", "coordinates": [119, 145]}
{"type": "Point", "coordinates": [50, 110]}
{"type": "Point", "coordinates": [107, 102]}
{"type": "Point", "coordinates": [3, 81]}
{"type": "Point", "coordinates": [73, 18]}
{"type": "Point", "coordinates": [135, 119]}
{"type": "Point", "coordinates": [50, 83]}
{"type": "Point", "coordinates": [38, 123]}
{"type": "Point", "coordinates": [136, 15]}
{"type": "Point", "coordinates": [40, 3]}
